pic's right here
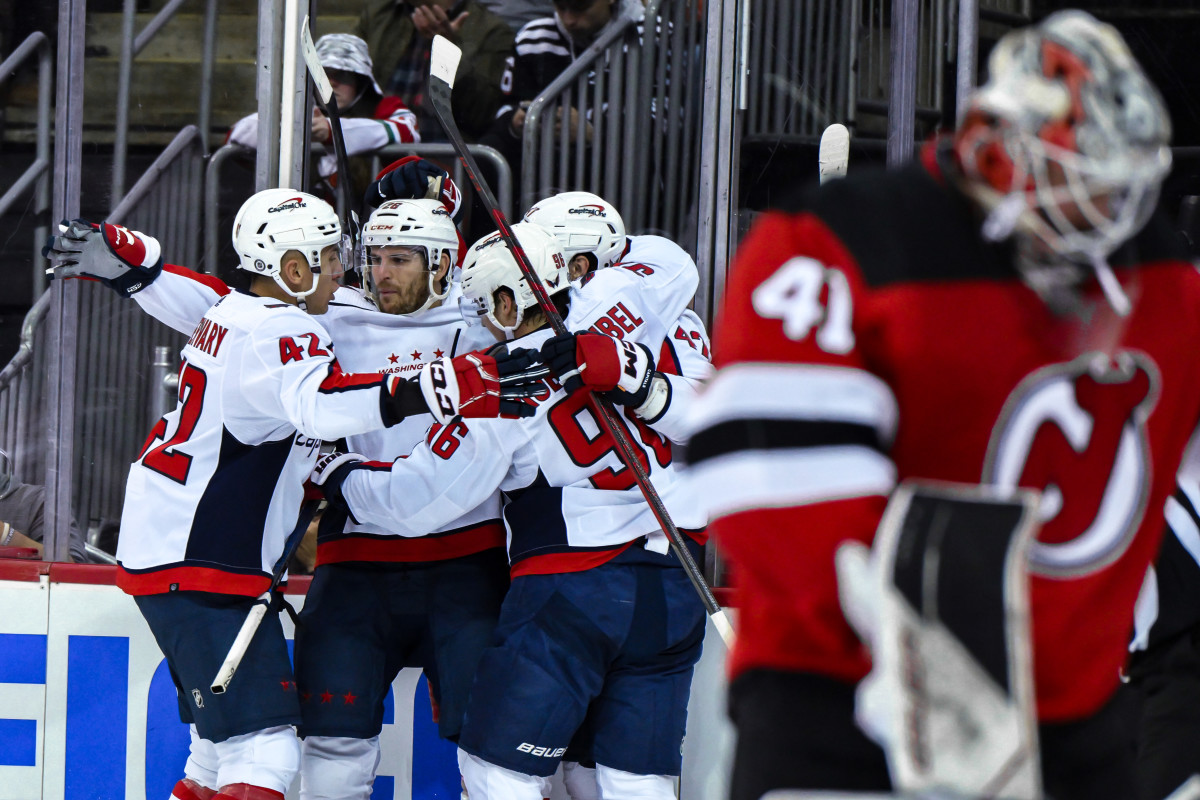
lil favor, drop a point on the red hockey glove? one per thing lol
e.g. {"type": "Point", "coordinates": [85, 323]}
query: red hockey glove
{"type": "Point", "coordinates": [126, 261]}
{"type": "Point", "coordinates": [622, 370]}
{"type": "Point", "coordinates": [483, 384]}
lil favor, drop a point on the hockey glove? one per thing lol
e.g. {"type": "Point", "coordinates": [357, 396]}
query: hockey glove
{"type": "Point", "coordinates": [483, 385]}
{"type": "Point", "coordinates": [414, 178]}
{"type": "Point", "coordinates": [329, 472]}
{"type": "Point", "coordinates": [622, 371]}
{"type": "Point", "coordinates": [123, 260]}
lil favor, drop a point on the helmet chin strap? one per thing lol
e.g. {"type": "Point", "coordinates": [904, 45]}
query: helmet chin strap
{"type": "Point", "coordinates": [433, 296]}
{"type": "Point", "coordinates": [300, 296]}
{"type": "Point", "coordinates": [1111, 287]}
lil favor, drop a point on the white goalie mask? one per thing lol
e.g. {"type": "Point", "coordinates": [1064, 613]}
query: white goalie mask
{"type": "Point", "coordinates": [1067, 142]}
{"type": "Point", "coordinates": [583, 223]}
{"type": "Point", "coordinates": [423, 224]}
{"type": "Point", "coordinates": [274, 221]}
{"type": "Point", "coordinates": [490, 266]}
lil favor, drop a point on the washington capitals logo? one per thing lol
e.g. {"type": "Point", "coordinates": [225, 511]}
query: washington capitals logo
{"type": "Point", "coordinates": [591, 210]}
{"type": "Point", "coordinates": [288, 205]}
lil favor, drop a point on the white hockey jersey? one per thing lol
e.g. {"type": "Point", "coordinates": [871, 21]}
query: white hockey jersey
{"type": "Point", "coordinates": [573, 505]}
{"type": "Point", "coordinates": [215, 491]}
{"type": "Point", "coordinates": [367, 340]}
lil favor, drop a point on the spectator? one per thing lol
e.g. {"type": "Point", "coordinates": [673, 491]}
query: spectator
{"type": "Point", "coordinates": [400, 34]}
{"type": "Point", "coordinates": [544, 48]}
{"type": "Point", "coordinates": [518, 13]}
{"type": "Point", "coordinates": [23, 515]}
{"type": "Point", "coordinates": [370, 119]}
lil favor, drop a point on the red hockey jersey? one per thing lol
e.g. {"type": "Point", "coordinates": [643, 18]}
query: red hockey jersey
{"type": "Point", "coordinates": [869, 335]}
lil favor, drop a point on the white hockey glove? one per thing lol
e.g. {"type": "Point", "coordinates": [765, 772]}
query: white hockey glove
{"type": "Point", "coordinates": [123, 260]}
{"type": "Point", "coordinates": [622, 371]}
{"type": "Point", "coordinates": [483, 385]}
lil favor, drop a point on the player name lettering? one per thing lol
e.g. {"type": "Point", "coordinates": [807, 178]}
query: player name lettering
{"type": "Point", "coordinates": [208, 336]}
{"type": "Point", "coordinates": [617, 322]}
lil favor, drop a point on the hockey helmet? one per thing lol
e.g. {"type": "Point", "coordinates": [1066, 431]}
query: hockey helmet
{"type": "Point", "coordinates": [1067, 140]}
{"type": "Point", "coordinates": [349, 53]}
{"type": "Point", "coordinates": [424, 224]}
{"type": "Point", "coordinates": [274, 221]}
{"type": "Point", "coordinates": [490, 266]}
{"type": "Point", "coordinates": [583, 223]}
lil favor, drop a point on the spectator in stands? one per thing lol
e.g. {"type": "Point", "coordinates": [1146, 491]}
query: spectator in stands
{"type": "Point", "coordinates": [518, 13]}
{"type": "Point", "coordinates": [400, 33]}
{"type": "Point", "coordinates": [23, 515]}
{"type": "Point", "coordinates": [544, 48]}
{"type": "Point", "coordinates": [370, 118]}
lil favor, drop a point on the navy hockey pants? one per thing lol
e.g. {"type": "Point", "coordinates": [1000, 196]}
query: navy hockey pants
{"type": "Point", "coordinates": [362, 623]}
{"type": "Point", "coordinates": [607, 652]}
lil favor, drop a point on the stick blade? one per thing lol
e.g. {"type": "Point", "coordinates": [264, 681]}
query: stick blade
{"type": "Point", "coordinates": [834, 154]}
{"type": "Point", "coordinates": [443, 60]}
{"type": "Point", "coordinates": [309, 50]}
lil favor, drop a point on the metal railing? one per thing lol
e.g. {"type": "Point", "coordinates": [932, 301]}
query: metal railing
{"type": "Point", "coordinates": [635, 135]}
{"type": "Point", "coordinates": [130, 47]}
{"type": "Point", "coordinates": [442, 150]}
{"type": "Point", "coordinates": [36, 174]}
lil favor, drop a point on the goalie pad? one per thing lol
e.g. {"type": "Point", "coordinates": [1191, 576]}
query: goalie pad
{"type": "Point", "coordinates": [950, 695]}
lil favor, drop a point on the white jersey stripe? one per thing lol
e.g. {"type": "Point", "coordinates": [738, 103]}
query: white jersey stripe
{"type": "Point", "coordinates": [797, 392]}
{"type": "Point", "coordinates": [1184, 527]}
{"type": "Point", "coordinates": [793, 477]}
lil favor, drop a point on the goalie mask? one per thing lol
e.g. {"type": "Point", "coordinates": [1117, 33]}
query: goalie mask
{"type": "Point", "coordinates": [421, 224]}
{"type": "Point", "coordinates": [583, 223]}
{"type": "Point", "coordinates": [274, 221]}
{"type": "Point", "coordinates": [1066, 142]}
{"type": "Point", "coordinates": [490, 266]}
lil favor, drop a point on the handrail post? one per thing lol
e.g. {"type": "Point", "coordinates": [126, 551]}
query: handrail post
{"type": "Point", "coordinates": [124, 87]}
{"type": "Point", "coordinates": [204, 118]}
{"type": "Point", "coordinates": [41, 202]}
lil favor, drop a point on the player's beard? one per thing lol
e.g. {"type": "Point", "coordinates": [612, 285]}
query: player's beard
{"type": "Point", "coordinates": [396, 299]}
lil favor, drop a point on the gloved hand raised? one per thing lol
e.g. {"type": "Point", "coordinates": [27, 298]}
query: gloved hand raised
{"type": "Point", "coordinates": [414, 178]}
{"type": "Point", "coordinates": [622, 370]}
{"type": "Point", "coordinates": [123, 260]}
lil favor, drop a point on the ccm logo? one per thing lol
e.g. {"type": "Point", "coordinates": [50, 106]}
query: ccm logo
{"type": "Point", "coordinates": [545, 752]}
{"type": "Point", "coordinates": [437, 376]}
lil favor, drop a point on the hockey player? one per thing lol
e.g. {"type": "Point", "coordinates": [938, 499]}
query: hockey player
{"type": "Point", "coordinates": [601, 623]}
{"type": "Point", "coordinates": [214, 492]}
{"type": "Point", "coordinates": [971, 318]}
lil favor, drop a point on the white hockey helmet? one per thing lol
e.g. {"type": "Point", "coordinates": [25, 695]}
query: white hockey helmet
{"type": "Point", "coordinates": [1067, 141]}
{"type": "Point", "coordinates": [425, 224]}
{"type": "Point", "coordinates": [274, 221]}
{"type": "Point", "coordinates": [490, 266]}
{"type": "Point", "coordinates": [583, 223]}
{"type": "Point", "coordinates": [349, 53]}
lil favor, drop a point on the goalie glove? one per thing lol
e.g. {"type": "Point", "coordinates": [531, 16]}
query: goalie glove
{"type": "Point", "coordinates": [622, 371]}
{"type": "Point", "coordinates": [329, 472]}
{"type": "Point", "coordinates": [487, 385]}
{"type": "Point", "coordinates": [123, 260]}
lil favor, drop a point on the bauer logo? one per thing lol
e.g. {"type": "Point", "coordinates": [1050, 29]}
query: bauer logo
{"type": "Point", "coordinates": [588, 211]}
{"type": "Point", "coordinates": [288, 205]}
{"type": "Point", "coordinates": [544, 752]}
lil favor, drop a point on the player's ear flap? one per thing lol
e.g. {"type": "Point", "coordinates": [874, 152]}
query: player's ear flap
{"type": "Point", "coordinates": [444, 267]}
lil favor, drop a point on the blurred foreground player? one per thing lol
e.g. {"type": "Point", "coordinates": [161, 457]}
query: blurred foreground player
{"type": "Point", "coordinates": [1002, 311]}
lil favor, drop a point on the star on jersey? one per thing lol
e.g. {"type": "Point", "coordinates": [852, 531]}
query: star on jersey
{"type": "Point", "coordinates": [438, 354]}
{"type": "Point", "coordinates": [416, 354]}
{"type": "Point", "coordinates": [393, 358]}
{"type": "Point", "coordinates": [349, 698]}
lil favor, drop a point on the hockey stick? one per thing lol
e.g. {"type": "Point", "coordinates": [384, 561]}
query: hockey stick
{"type": "Point", "coordinates": [328, 104]}
{"type": "Point", "coordinates": [834, 154]}
{"type": "Point", "coordinates": [443, 66]}
{"type": "Point", "coordinates": [262, 603]}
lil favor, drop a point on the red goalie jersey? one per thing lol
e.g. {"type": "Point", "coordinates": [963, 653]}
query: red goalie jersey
{"type": "Point", "coordinates": [869, 336]}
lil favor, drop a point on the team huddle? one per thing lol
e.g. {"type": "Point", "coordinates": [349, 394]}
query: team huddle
{"type": "Point", "coordinates": [479, 522]}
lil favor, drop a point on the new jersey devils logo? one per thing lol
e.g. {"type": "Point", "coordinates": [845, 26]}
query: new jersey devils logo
{"type": "Point", "coordinates": [1077, 431]}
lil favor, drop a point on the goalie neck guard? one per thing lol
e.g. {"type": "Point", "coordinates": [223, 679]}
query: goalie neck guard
{"type": "Point", "coordinates": [490, 266]}
{"type": "Point", "coordinates": [274, 221]}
